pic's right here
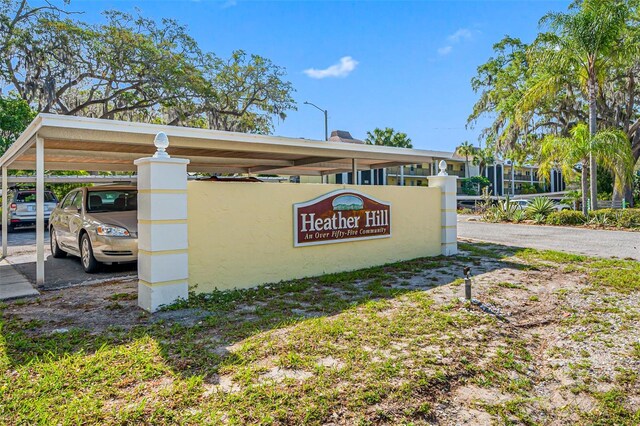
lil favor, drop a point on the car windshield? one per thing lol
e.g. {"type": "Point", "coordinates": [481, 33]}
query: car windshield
{"type": "Point", "coordinates": [30, 197]}
{"type": "Point", "coordinates": [112, 201]}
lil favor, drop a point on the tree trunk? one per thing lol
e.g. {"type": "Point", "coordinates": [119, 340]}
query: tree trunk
{"type": "Point", "coordinates": [635, 151]}
{"type": "Point", "coordinates": [593, 167]}
{"type": "Point", "coordinates": [583, 182]}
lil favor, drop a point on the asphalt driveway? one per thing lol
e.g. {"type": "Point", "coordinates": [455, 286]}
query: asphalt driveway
{"type": "Point", "coordinates": [591, 242]}
{"type": "Point", "coordinates": [58, 273]}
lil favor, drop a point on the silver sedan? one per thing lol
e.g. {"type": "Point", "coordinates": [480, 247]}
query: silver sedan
{"type": "Point", "coordinates": [99, 224]}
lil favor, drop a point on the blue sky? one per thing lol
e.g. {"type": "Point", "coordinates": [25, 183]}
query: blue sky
{"type": "Point", "coordinates": [399, 64]}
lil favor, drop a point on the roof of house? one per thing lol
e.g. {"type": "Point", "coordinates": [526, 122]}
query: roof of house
{"type": "Point", "coordinates": [343, 136]}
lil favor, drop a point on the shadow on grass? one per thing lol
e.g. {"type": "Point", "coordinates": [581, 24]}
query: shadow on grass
{"type": "Point", "coordinates": [194, 335]}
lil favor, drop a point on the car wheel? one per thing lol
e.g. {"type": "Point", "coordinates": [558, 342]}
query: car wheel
{"type": "Point", "coordinates": [56, 251]}
{"type": "Point", "coordinates": [11, 228]}
{"type": "Point", "coordinates": [89, 263]}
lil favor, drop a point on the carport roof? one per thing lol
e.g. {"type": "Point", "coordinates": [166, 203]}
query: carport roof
{"type": "Point", "coordinates": [80, 143]}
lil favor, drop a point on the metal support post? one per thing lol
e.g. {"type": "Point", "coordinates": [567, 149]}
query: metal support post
{"type": "Point", "coordinates": [39, 211]}
{"type": "Point", "coordinates": [354, 171]}
{"type": "Point", "coordinates": [5, 210]}
{"type": "Point", "coordinates": [467, 283]}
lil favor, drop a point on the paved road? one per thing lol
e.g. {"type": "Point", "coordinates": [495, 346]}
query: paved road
{"type": "Point", "coordinates": [58, 272]}
{"type": "Point", "coordinates": [590, 242]}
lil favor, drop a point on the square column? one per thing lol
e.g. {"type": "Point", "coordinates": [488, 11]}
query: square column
{"type": "Point", "coordinates": [448, 212]}
{"type": "Point", "coordinates": [163, 268]}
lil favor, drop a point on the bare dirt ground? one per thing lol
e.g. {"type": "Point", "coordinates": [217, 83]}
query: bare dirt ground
{"type": "Point", "coordinates": [576, 340]}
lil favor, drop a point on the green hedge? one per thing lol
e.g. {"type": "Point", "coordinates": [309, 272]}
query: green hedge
{"type": "Point", "coordinates": [566, 217]}
{"type": "Point", "coordinates": [627, 218]}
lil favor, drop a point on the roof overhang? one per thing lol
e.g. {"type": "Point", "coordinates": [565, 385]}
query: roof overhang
{"type": "Point", "coordinates": [80, 143]}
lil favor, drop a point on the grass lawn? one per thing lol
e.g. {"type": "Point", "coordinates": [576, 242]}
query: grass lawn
{"type": "Point", "coordinates": [387, 345]}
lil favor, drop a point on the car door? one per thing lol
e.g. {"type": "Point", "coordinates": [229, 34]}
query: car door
{"type": "Point", "coordinates": [74, 221]}
{"type": "Point", "coordinates": [60, 221]}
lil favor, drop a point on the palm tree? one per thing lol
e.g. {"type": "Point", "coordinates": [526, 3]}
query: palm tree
{"type": "Point", "coordinates": [388, 137]}
{"type": "Point", "coordinates": [582, 43]}
{"type": "Point", "coordinates": [609, 148]}
{"type": "Point", "coordinates": [466, 149]}
{"type": "Point", "coordinates": [483, 158]}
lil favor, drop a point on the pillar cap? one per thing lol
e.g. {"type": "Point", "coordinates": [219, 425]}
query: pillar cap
{"type": "Point", "coordinates": [160, 160]}
{"type": "Point", "coordinates": [443, 168]}
{"type": "Point", "coordinates": [161, 142]}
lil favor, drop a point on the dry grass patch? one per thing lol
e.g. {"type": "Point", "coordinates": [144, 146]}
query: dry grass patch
{"type": "Point", "coordinates": [387, 345]}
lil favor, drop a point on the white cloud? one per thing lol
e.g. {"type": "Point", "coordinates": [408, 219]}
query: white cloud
{"type": "Point", "coordinates": [445, 50]}
{"type": "Point", "coordinates": [342, 69]}
{"type": "Point", "coordinates": [461, 34]}
{"type": "Point", "coordinates": [229, 3]}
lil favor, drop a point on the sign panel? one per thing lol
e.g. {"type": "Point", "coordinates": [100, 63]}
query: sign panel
{"type": "Point", "coordinates": [340, 216]}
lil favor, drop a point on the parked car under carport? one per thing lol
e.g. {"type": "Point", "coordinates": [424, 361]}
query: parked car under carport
{"type": "Point", "coordinates": [98, 224]}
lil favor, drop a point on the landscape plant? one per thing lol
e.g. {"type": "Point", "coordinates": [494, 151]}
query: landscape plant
{"type": "Point", "coordinates": [527, 188]}
{"type": "Point", "coordinates": [474, 185]}
{"type": "Point", "coordinates": [538, 218]}
{"type": "Point", "coordinates": [540, 206]}
{"type": "Point", "coordinates": [519, 215]}
{"type": "Point", "coordinates": [466, 150]}
{"type": "Point", "coordinates": [582, 42]}
{"type": "Point", "coordinates": [502, 211]}
{"type": "Point", "coordinates": [566, 217]}
{"type": "Point", "coordinates": [582, 65]}
{"type": "Point", "coordinates": [610, 148]}
{"type": "Point", "coordinates": [388, 137]}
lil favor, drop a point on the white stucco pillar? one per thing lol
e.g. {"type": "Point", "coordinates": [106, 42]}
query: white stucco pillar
{"type": "Point", "coordinates": [163, 268]}
{"type": "Point", "coordinates": [448, 212]}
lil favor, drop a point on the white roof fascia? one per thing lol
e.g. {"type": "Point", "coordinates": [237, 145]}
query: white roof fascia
{"type": "Point", "coordinates": [117, 126]}
{"type": "Point", "coordinates": [24, 141]}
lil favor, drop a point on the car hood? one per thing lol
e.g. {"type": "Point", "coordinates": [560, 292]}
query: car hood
{"type": "Point", "coordinates": [128, 219]}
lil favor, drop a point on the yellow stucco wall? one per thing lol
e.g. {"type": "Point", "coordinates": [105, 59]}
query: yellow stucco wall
{"type": "Point", "coordinates": [241, 234]}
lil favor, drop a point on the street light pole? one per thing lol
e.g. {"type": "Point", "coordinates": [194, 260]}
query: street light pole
{"type": "Point", "coordinates": [325, 178]}
{"type": "Point", "coordinates": [326, 127]}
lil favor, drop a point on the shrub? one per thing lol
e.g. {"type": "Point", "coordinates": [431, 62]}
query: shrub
{"type": "Point", "coordinates": [599, 220]}
{"type": "Point", "coordinates": [538, 218]}
{"type": "Point", "coordinates": [540, 206]}
{"type": "Point", "coordinates": [506, 209]}
{"type": "Point", "coordinates": [603, 217]}
{"type": "Point", "coordinates": [503, 211]}
{"type": "Point", "coordinates": [566, 217]}
{"type": "Point", "coordinates": [519, 216]}
{"type": "Point", "coordinates": [629, 218]}
{"type": "Point", "coordinates": [527, 188]}
{"type": "Point", "coordinates": [473, 185]}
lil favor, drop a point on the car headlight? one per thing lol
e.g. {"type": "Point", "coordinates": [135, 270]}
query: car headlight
{"type": "Point", "coordinates": [112, 231]}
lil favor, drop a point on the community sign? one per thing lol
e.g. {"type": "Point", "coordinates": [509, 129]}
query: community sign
{"type": "Point", "coordinates": [340, 216]}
